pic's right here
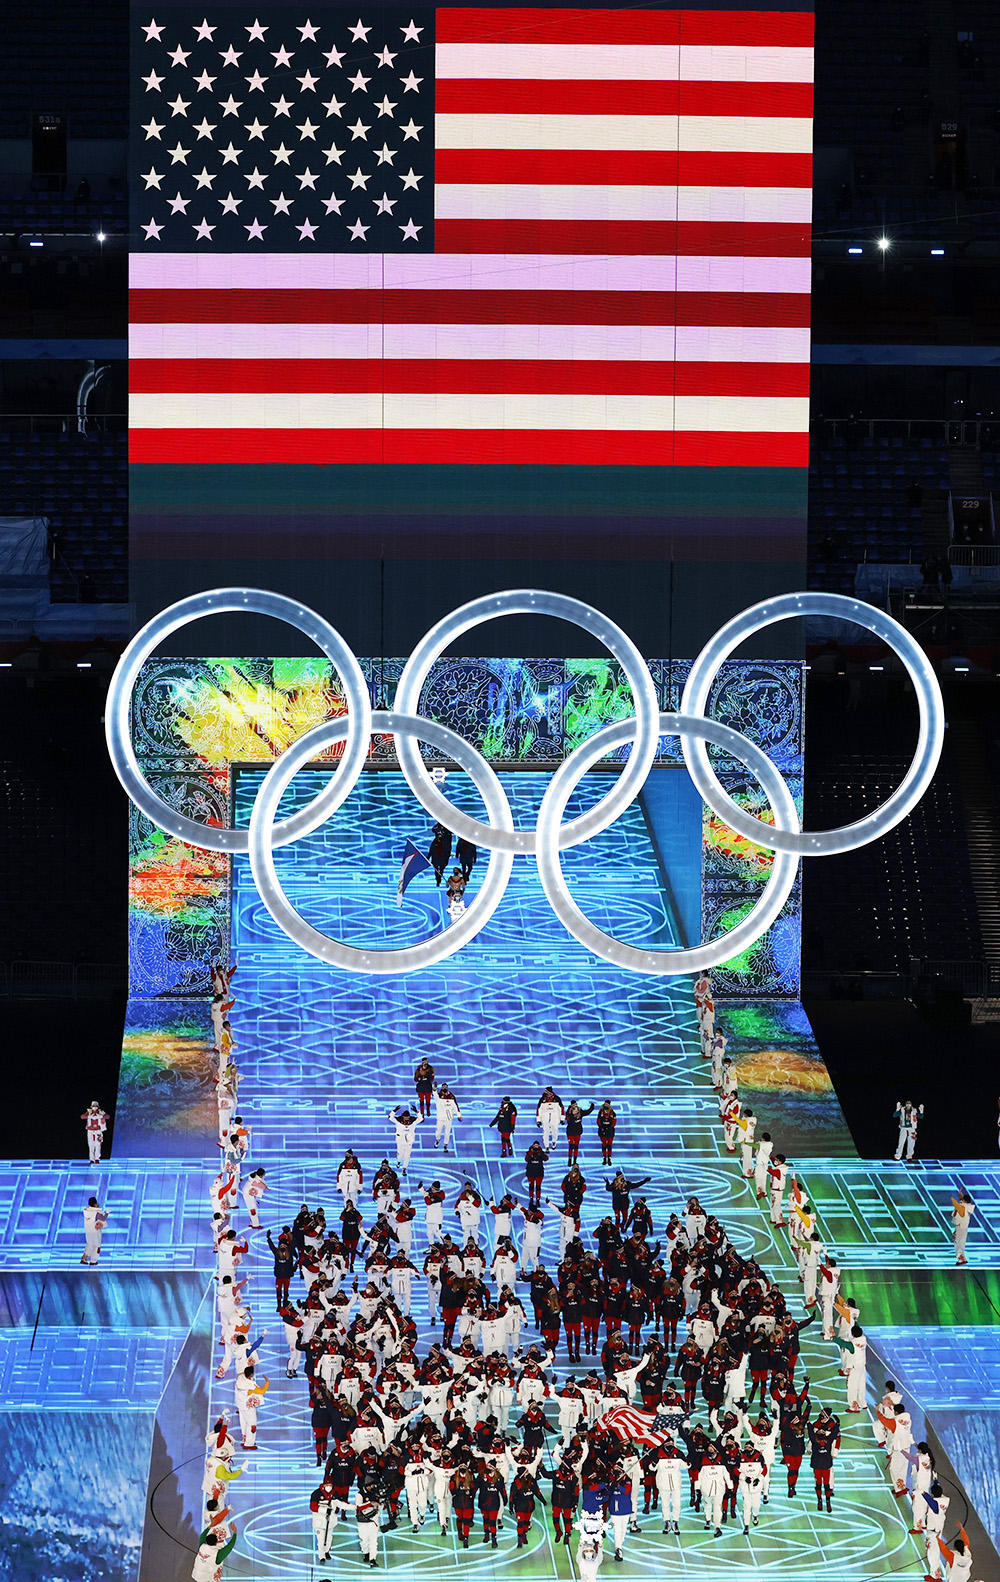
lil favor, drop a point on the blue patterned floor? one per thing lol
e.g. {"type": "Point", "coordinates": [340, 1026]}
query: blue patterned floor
{"type": "Point", "coordinates": [323, 1055]}
{"type": "Point", "coordinates": [344, 877]}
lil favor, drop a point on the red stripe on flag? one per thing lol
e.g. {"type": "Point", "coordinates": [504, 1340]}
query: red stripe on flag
{"type": "Point", "coordinates": [608, 168]}
{"type": "Point", "coordinates": [468, 447]}
{"type": "Point", "coordinates": [512, 376]}
{"type": "Point", "coordinates": [495, 96]}
{"type": "Point", "coordinates": [535, 25]}
{"type": "Point", "coordinates": [789, 309]}
{"type": "Point", "coordinates": [686, 238]}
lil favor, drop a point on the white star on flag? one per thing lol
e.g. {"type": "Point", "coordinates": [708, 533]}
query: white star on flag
{"type": "Point", "coordinates": [153, 31]}
{"type": "Point", "coordinates": [255, 231]}
{"type": "Point", "coordinates": [152, 231]}
{"type": "Point", "coordinates": [410, 230]}
{"type": "Point", "coordinates": [203, 31]}
{"type": "Point", "coordinates": [358, 231]}
{"type": "Point", "coordinates": [359, 31]}
{"type": "Point", "coordinates": [308, 31]}
{"type": "Point", "coordinates": [306, 231]}
{"type": "Point", "coordinates": [204, 231]}
{"type": "Point", "coordinates": [256, 31]}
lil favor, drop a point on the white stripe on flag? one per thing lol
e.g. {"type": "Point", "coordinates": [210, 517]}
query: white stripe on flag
{"type": "Point", "coordinates": [501, 272]}
{"type": "Point", "coordinates": [752, 134]}
{"type": "Point", "coordinates": [375, 410]}
{"type": "Point", "coordinates": [624, 62]}
{"type": "Point", "coordinates": [755, 205]}
{"type": "Point", "coordinates": [472, 342]}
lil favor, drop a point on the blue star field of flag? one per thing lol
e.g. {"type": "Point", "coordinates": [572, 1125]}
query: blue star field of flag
{"type": "Point", "coordinates": [279, 133]}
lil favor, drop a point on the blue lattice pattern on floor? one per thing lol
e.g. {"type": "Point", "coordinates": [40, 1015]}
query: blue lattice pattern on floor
{"type": "Point", "coordinates": [945, 1369]}
{"type": "Point", "coordinates": [52, 1371]}
{"type": "Point", "coordinates": [343, 877]}
{"type": "Point", "coordinates": [323, 1055]}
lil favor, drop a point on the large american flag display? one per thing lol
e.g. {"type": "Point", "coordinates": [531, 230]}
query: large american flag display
{"type": "Point", "coordinates": [570, 237]}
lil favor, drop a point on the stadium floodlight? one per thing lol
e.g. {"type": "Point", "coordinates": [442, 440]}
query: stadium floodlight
{"type": "Point", "coordinates": [937, 252]}
{"type": "Point", "coordinates": [855, 249]}
{"type": "Point", "coordinates": [884, 244]}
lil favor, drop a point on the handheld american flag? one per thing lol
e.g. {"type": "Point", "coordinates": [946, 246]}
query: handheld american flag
{"type": "Point", "coordinates": [628, 1422]}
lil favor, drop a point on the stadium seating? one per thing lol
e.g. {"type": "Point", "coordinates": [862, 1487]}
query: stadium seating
{"type": "Point", "coordinates": [87, 76]}
{"type": "Point", "coordinates": [909, 895]}
{"type": "Point", "coordinates": [27, 211]}
{"type": "Point", "coordinates": [63, 823]}
{"type": "Point", "coordinates": [80, 482]}
{"type": "Point", "coordinates": [862, 505]}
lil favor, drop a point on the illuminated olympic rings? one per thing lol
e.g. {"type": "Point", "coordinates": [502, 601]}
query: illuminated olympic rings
{"type": "Point", "coordinates": [498, 834]}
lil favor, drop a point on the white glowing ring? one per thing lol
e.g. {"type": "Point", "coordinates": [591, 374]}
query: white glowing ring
{"type": "Point", "coordinates": [637, 958]}
{"type": "Point", "coordinates": [354, 958]}
{"type": "Point", "coordinates": [343, 776]}
{"type": "Point", "coordinates": [930, 736]}
{"type": "Point", "coordinates": [595, 624]}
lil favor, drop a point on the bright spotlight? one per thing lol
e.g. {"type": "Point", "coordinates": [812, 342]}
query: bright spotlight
{"type": "Point", "coordinates": [883, 244]}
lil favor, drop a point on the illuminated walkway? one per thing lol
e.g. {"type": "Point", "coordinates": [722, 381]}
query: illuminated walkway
{"type": "Point", "coordinates": [122, 1358]}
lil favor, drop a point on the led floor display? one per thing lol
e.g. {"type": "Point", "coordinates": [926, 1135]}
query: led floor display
{"type": "Point", "coordinates": [323, 1056]}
